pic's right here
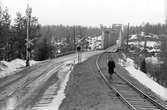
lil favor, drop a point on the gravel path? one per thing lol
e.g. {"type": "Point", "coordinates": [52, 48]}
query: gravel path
{"type": "Point", "coordinates": [87, 91]}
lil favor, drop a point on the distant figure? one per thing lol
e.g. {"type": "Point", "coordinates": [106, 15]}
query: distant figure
{"type": "Point", "coordinates": [143, 66]}
{"type": "Point", "coordinates": [79, 54]}
{"type": "Point", "coordinates": [78, 48]}
{"type": "Point", "coordinates": [111, 66]}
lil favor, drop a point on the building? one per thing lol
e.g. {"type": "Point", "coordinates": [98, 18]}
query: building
{"type": "Point", "coordinates": [111, 36]}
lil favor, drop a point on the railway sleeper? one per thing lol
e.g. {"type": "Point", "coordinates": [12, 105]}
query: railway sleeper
{"type": "Point", "coordinates": [146, 107]}
{"type": "Point", "coordinates": [131, 96]}
{"type": "Point", "coordinates": [139, 102]}
{"type": "Point", "coordinates": [120, 83]}
{"type": "Point", "coordinates": [142, 101]}
{"type": "Point", "coordinates": [40, 105]}
{"type": "Point", "coordinates": [123, 88]}
{"type": "Point", "coordinates": [127, 92]}
{"type": "Point", "coordinates": [136, 100]}
{"type": "Point", "coordinates": [133, 100]}
{"type": "Point", "coordinates": [117, 94]}
{"type": "Point", "coordinates": [142, 104]}
{"type": "Point", "coordinates": [131, 93]}
{"type": "Point", "coordinates": [44, 103]}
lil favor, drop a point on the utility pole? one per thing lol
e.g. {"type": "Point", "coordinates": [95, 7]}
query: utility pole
{"type": "Point", "coordinates": [28, 49]}
{"type": "Point", "coordinates": [145, 42]}
{"type": "Point", "coordinates": [74, 39]}
{"type": "Point", "coordinates": [127, 36]}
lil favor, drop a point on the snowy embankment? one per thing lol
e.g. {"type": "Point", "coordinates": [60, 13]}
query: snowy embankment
{"type": "Point", "coordinates": [9, 68]}
{"type": "Point", "coordinates": [144, 79]}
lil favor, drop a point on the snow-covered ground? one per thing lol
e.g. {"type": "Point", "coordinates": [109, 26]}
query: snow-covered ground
{"type": "Point", "coordinates": [9, 68]}
{"type": "Point", "coordinates": [133, 37]}
{"type": "Point", "coordinates": [144, 79]}
{"type": "Point", "coordinates": [95, 42]}
{"type": "Point", "coordinates": [148, 43]}
{"type": "Point", "coordinates": [152, 42]}
{"type": "Point", "coordinates": [153, 60]}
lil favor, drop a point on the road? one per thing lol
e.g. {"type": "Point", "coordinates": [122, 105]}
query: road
{"type": "Point", "coordinates": [28, 88]}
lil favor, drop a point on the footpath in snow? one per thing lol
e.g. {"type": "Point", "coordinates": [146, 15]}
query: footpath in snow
{"type": "Point", "coordinates": [144, 79]}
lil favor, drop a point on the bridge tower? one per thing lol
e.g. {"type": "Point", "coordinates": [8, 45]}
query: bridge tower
{"type": "Point", "coordinates": [111, 36]}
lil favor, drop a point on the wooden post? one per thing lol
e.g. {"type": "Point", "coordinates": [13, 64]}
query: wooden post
{"type": "Point", "coordinates": [28, 13]}
{"type": "Point", "coordinates": [127, 36]}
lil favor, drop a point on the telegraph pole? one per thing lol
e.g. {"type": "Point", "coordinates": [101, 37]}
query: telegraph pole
{"type": "Point", "coordinates": [74, 38]}
{"type": "Point", "coordinates": [28, 49]}
{"type": "Point", "coordinates": [127, 36]}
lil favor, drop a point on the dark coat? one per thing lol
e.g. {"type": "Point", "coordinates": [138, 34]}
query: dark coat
{"type": "Point", "coordinates": [111, 66]}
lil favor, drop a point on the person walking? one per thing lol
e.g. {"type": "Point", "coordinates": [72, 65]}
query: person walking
{"type": "Point", "coordinates": [111, 67]}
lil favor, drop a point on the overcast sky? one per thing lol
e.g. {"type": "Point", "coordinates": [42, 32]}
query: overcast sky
{"type": "Point", "coordinates": [91, 12]}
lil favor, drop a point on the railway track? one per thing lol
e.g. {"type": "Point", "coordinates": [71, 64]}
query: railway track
{"type": "Point", "coordinates": [4, 82]}
{"type": "Point", "coordinates": [126, 91]}
{"type": "Point", "coordinates": [26, 85]}
{"type": "Point", "coordinates": [37, 85]}
{"type": "Point", "coordinates": [9, 80]}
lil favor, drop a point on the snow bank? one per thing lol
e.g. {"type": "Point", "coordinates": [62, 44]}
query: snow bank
{"type": "Point", "coordinates": [2, 66]}
{"type": "Point", "coordinates": [152, 43]}
{"type": "Point", "coordinates": [9, 68]}
{"type": "Point", "coordinates": [130, 62]}
{"type": "Point", "coordinates": [153, 50]}
{"type": "Point", "coordinates": [99, 37]}
{"type": "Point", "coordinates": [32, 62]}
{"type": "Point", "coordinates": [145, 80]}
{"type": "Point", "coordinates": [63, 77]}
{"type": "Point", "coordinates": [60, 94]}
{"type": "Point", "coordinates": [148, 36]}
{"type": "Point", "coordinates": [153, 60]}
{"type": "Point", "coordinates": [133, 37]}
{"type": "Point", "coordinates": [148, 43]}
{"type": "Point", "coordinates": [14, 64]}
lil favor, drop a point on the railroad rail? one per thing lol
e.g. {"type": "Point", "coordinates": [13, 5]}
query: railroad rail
{"type": "Point", "coordinates": [126, 91]}
{"type": "Point", "coordinates": [21, 74]}
{"type": "Point", "coordinates": [21, 86]}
